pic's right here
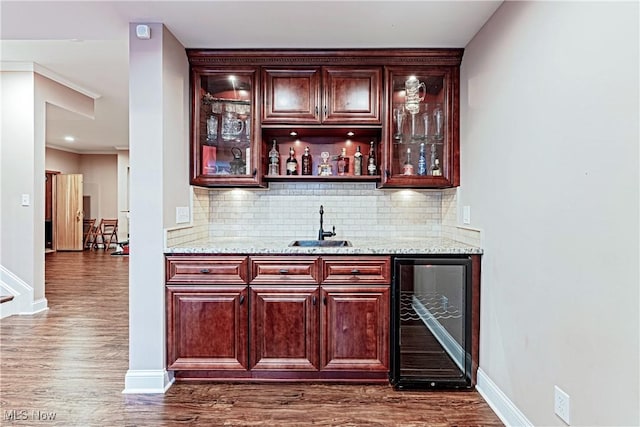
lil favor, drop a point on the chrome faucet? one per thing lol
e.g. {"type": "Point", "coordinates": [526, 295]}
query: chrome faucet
{"type": "Point", "coordinates": [322, 234]}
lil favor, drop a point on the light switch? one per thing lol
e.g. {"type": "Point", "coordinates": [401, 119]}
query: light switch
{"type": "Point", "coordinates": [182, 214]}
{"type": "Point", "coordinates": [466, 214]}
{"type": "Point", "coordinates": [25, 200]}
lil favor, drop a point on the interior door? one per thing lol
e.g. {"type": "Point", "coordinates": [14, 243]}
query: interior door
{"type": "Point", "coordinates": [68, 212]}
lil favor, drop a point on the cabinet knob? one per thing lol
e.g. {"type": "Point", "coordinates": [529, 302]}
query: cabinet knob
{"type": "Point", "coordinates": [314, 300]}
{"type": "Point", "coordinates": [355, 271]}
{"type": "Point", "coordinates": [387, 173]}
{"type": "Point", "coordinates": [255, 172]}
{"type": "Point", "coordinates": [324, 300]}
{"type": "Point", "coordinates": [204, 271]}
{"type": "Point", "coordinates": [284, 271]}
{"type": "Point", "coordinates": [241, 299]}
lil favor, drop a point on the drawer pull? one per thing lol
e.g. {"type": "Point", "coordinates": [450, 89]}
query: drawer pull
{"type": "Point", "coordinates": [284, 271]}
{"type": "Point", "coordinates": [241, 299]}
{"type": "Point", "coordinates": [324, 300]}
{"type": "Point", "coordinates": [315, 300]}
{"type": "Point", "coordinates": [204, 271]}
{"type": "Point", "coordinates": [355, 271]}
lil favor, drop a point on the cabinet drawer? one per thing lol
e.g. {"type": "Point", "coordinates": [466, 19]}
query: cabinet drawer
{"type": "Point", "coordinates": [279, 270]}
{"type": "Point", "coordinates": [228, 270]}
{"type": "Point", "coordinates": [364, 270]}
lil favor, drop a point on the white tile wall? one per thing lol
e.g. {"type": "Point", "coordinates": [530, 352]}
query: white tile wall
{"type": "Point", "coordinates": [292, 209]}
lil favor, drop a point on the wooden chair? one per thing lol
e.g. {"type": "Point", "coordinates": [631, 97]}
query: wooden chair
{"type": "Point", "coordinates": [90, 233]}
{"type": "Point", "coordinates": [108, 230]}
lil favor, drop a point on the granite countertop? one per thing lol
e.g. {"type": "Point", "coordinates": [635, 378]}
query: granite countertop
{"type": "Point", "coordinates": [360, 246]}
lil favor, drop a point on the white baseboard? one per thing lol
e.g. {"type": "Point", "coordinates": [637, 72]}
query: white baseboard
{"type": "Point", "coordinates": [22, 302]}
{"type": "Point", "coordinates": [156, 381]}
{"type": "Point", "coordinates": [504, 408]}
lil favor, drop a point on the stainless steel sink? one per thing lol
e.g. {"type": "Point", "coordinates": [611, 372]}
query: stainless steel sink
{"type": "Point", "coordinates": [320, 243]}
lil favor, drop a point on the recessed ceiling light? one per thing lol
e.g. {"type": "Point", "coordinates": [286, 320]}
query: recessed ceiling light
{"type": "Point", "coordinates": [69, 138]}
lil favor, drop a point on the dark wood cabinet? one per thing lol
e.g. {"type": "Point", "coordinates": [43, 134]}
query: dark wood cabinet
{"type": "Point", "coordinates": [225, 151]}
{"type": "Point", "coordinates": [282, 317]}
{"type": "Point", "coordinates": [421, 148]}
{"type": "Point", "coordinates": [405, 100]}
{"type": "Point", "coordinates": [355, 328]}
{"type": "Point", "coordinates": [207, 327]}
{"type": "Point", "coordinates": [284, 328]}
{"type": "Point", "coordinates": [315, 95]}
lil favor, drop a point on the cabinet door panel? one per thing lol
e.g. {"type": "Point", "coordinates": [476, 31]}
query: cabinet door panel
{"type": "Point", "coordinates": [284, 328]}
{"type": "Point", "coordinates": [291, 95]}
{"type": "Point", "coordinates": [352, 95]}
{"type": "Point", "coordinates": [207, 327]}
{"type": "Point", "coordinates": [355, 330]}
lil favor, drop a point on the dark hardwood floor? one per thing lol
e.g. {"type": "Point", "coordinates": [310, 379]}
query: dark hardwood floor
{"type": "Point", "coordinates": [69, 362]}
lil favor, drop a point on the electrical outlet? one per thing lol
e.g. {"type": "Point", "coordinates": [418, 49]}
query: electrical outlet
{"type": "Point", "coordinates": [561, 404]}
{"type": "Point", "coordinates": [182, 215]}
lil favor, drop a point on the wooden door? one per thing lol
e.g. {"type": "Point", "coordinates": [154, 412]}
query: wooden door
{"type": "Point", "coordinates": [207, 327]}
{"type": "Point", "coordinates": [352, 95]}
{"type": "Point", "coordinates": [355, 328]}
{"type": "Point", "coordinates": [68, 212]}
{"type": "Point", "coordinates": [291, 96]}
{"type": "Point", "coordinates": [284, 328]}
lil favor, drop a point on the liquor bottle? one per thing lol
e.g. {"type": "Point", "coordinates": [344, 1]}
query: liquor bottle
{"type": "Point", "coordinates": [343, 162]}
{"type": "Point", "coordinates": [422, 161]}
{"type": "Point", "coordinates": [407, 166]}
{"type": "Point", "coordinates": [306, 162]}
{"type": "Point", "coordinates": [292, 163]}
{"type": "Point", "coordinates": [436, 171]}
{"type": "Point", "coordinates": [274, 160]}
{"type": "Point", "coordinates": [371, 161]}
{"type": "Point", "coordinates": [357, 162]}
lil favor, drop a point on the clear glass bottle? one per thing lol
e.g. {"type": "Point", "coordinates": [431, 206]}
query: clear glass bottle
{"type": "Point", "coordinates": [307, 162]}
{"type": "Point", "coordinates": [343, 162]}
{"type": "Point", "coordinates": [422, 161]}
{"type": "Point", "coordinates": [372, 166]}
{"type": "Point", "coordinates": [274, 160]}
{"type": "Point", "coordinates": [436, 171]}
{"type": "Point", "coordinates": [357, 162]}
{"type": "Point", "coordinates": [407, 166]}
{"type": "Point", "coordinates": [292, 163]}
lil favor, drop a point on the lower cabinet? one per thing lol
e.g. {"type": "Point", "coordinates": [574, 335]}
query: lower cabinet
{"type": "Point", "coordinates": [355, 328]}
{"type": "Point", "coordinates": [279, 326]}
{"type": "Point", "coordinates": [207, 327]}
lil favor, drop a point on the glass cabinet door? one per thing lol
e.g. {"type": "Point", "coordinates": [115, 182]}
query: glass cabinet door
{"type": "Point", "coordinates": [223, 142]}
{"type": "Point", "coordinates": [422, 128]}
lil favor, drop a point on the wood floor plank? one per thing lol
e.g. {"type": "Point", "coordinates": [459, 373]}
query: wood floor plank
{"type": "Point", "coordinates": [69, 363]}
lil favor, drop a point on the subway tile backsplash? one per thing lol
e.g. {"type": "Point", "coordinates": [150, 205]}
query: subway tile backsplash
{"type": "Point", "coordinates": [292, 209]}
{"type": "Point", "coordinates": [355, 209]}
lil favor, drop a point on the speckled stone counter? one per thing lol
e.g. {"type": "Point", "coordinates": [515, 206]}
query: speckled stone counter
{"type": "Point", "coordinates": [360, 246]}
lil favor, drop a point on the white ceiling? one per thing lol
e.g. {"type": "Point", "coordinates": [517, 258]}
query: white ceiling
{"type": "Point", "coordinates": [86, 42]}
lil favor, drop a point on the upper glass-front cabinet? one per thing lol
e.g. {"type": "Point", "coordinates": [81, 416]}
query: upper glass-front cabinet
{"type": "Point", "coordinates": [225, 150]}
{"type": "Point", "coordinates": [422, 128]}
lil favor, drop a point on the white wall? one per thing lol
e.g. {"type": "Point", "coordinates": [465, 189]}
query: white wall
{"type": "Point", "coordinates": [61, 161]}
{"type": "Point", "coordinates": [25, 95]}
{"type": "Point", "coordinates": [100, 180]}
{"type": "Point", "coordinates": [549, 150]}
{"type": "Point", "coordinates": [156, 127]}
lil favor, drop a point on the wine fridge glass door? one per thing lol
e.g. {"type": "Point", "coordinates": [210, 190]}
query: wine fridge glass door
{"type": "Point", "coordinates": [431, 323]}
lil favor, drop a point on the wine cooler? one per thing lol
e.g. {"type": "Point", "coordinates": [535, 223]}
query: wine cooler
{"type": "Point", "coordinates": [431, 323]}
